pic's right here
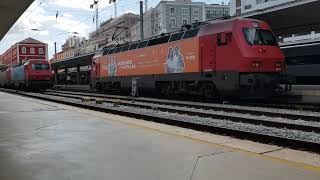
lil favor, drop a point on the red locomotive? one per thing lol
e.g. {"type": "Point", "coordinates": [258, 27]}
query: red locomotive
{"type": "Point", "coordinates": [28, 67]}
{"type": "Point", "coordinates": [234, 57]}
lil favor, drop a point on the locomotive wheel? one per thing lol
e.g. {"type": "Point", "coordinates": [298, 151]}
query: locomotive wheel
{"type": "Point", "coordinates": [165, 91]}
{"type": "Point", "coordinates": [208, 91]}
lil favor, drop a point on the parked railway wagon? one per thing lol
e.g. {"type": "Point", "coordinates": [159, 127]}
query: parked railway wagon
{"type": "Point", "coordinates": [5, 77]}
{"type": "Point", "coordinates": [2, 78]}
{"type": "Point", "coordinates": [303, 62]}
{"type": "Point", "coordinates": [33, 74]}
{"type": "Point", "coordinates": [234, 57]}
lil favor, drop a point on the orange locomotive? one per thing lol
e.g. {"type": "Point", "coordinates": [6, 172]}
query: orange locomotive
{"type": "Point", "coordinates": [236, 57]}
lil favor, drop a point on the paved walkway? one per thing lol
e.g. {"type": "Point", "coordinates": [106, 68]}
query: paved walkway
{"type": "Point", "coordinates": [46, 141]}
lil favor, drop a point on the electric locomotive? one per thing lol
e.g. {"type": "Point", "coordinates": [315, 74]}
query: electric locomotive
{"type": "Point", "coordinates": [234, 57]}
{"type": "Point", "coordinates": [32, 74]}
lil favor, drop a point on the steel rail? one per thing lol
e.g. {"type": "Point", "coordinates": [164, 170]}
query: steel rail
{"type": "Point", "coordinates": [244, 134]}
{"type": "Point", "coordinates": [206, 106]}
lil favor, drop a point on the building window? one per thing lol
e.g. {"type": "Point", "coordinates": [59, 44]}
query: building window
{"type": "Point", "coordinates": [226, 12]}
{"type": "Point", "coordinates": [208, 12]}
{"type": "Point", "coordinates": [247, 7]}
{"type": "Point", "coordinates": [214, 13]}
{"type": "Point", "coordinates": [41, 51]}
{"type": "Point", "coordinates": [173, 22]}
{"type": "Point", "coordinates": [238, 12]}
{"type": "Point", "coordinates": [172, 10]}
{"type": "Point", "coordinates": [184, 21]}
{"type": "Point", "coordinates": [32, 51]}
{"type": "Point", "coordinates": [185, 11]}
{"type": "Point", "coordinates": [196, 11]}
{"type": "Point", "coordinates": [220, 12]}
{"type": "Point", "coordinates": [261, 1]}
{"type": "Point", "coordinates": [238, 3]}
{"type": "Point", "coordinates": [24, 50]}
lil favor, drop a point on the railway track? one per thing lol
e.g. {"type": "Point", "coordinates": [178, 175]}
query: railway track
{"type": "Point", "coordinates": [254, 109]}
{"type": "Point", "coordinates": [295, 129]}
{"type": "Point", "coordinates": [282, 102]}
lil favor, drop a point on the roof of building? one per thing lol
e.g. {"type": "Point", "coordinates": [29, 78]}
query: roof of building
{"type": "Point", "coordinates": [30, 40]}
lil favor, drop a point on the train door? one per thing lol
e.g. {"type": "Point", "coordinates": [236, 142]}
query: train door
{"type": "Point", "coordinates": [95, 73]}
{"type": "Point", "coordinates": [213, 54]}
{"type": "Point", "coordinates": [208, 53]}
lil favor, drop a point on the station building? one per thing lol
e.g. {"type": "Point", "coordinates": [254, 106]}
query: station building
{"type": "Point", "coordinates": [22, 51]}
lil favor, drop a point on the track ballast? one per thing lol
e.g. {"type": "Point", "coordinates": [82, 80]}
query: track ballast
{"type": "Point", "coordinates": [295, 129]}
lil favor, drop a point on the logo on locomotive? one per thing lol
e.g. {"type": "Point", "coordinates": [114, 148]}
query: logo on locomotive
{"type": "Point", "coordinates": [112, 66]}
{"type": "Point", "coordinates": [175, 61]}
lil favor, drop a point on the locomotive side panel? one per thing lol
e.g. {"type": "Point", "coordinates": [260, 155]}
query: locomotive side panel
{"type": "Point", "coordinates": [18, 76]}
{"type": "Point", "coordinates": [3, 78]}
{"type": "Point", "coordinates": [208, 53]}
{"type": "Point", "coordinates": [18, 73]}
{"type": "Point", "coordinates": [175, 57]}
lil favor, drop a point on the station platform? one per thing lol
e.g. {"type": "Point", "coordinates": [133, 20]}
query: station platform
{"type": "Point", "coordinates": [308, 93]}
{"type": "Point", "coordinates": [306, 90]}
{"type": "Point", "coordinates": [40, 140]}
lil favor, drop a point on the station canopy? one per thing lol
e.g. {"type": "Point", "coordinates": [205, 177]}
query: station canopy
{"type": "Point", "coordinates": [10, 11]}
{"type": "Point", "coordinates": [292, 18]}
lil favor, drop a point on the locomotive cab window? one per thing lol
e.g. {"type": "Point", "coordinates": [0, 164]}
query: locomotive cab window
{"type": "Point", "coordinates": [224, 39]}
{"type": "Point", "coordinates": [40, 66]}
{"type": "Point", "coordinates": [255, 36]}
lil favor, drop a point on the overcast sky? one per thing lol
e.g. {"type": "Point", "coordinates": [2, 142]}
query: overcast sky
{"type": "Point", "coordinates": [73, 16]}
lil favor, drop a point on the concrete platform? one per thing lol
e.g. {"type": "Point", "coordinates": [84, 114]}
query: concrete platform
{"type": "Point", "coordinates": [309, 93]}
{"type": "Point", "coordinates": [43, 140]}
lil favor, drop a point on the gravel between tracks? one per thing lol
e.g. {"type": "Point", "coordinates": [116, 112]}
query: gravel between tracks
{"type": "Point", "coordinates": [260, 129]}
{"type": "Point", "coordinates": [273, 110]}
{"type": "Point", "coordinates": [249, 116]}
{"type": "Point", "coordinates": [231, 106]}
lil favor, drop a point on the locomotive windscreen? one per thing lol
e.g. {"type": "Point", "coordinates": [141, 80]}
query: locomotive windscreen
{"type": "Point", "coordinates": [259, 37]}
{"type": "Point", "coordinates": [40, 66]}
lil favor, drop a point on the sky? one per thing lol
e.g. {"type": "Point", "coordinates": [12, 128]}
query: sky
{"type": "Point", "coordinates": [73, 16]}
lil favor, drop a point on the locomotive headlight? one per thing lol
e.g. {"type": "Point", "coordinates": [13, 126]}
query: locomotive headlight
{"type": "Point", "coordinates": [278, 65]}
{"type": "Point", "coordinates": [260, 50]}
{"type": "Point", "coordinates": [256, 64]}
